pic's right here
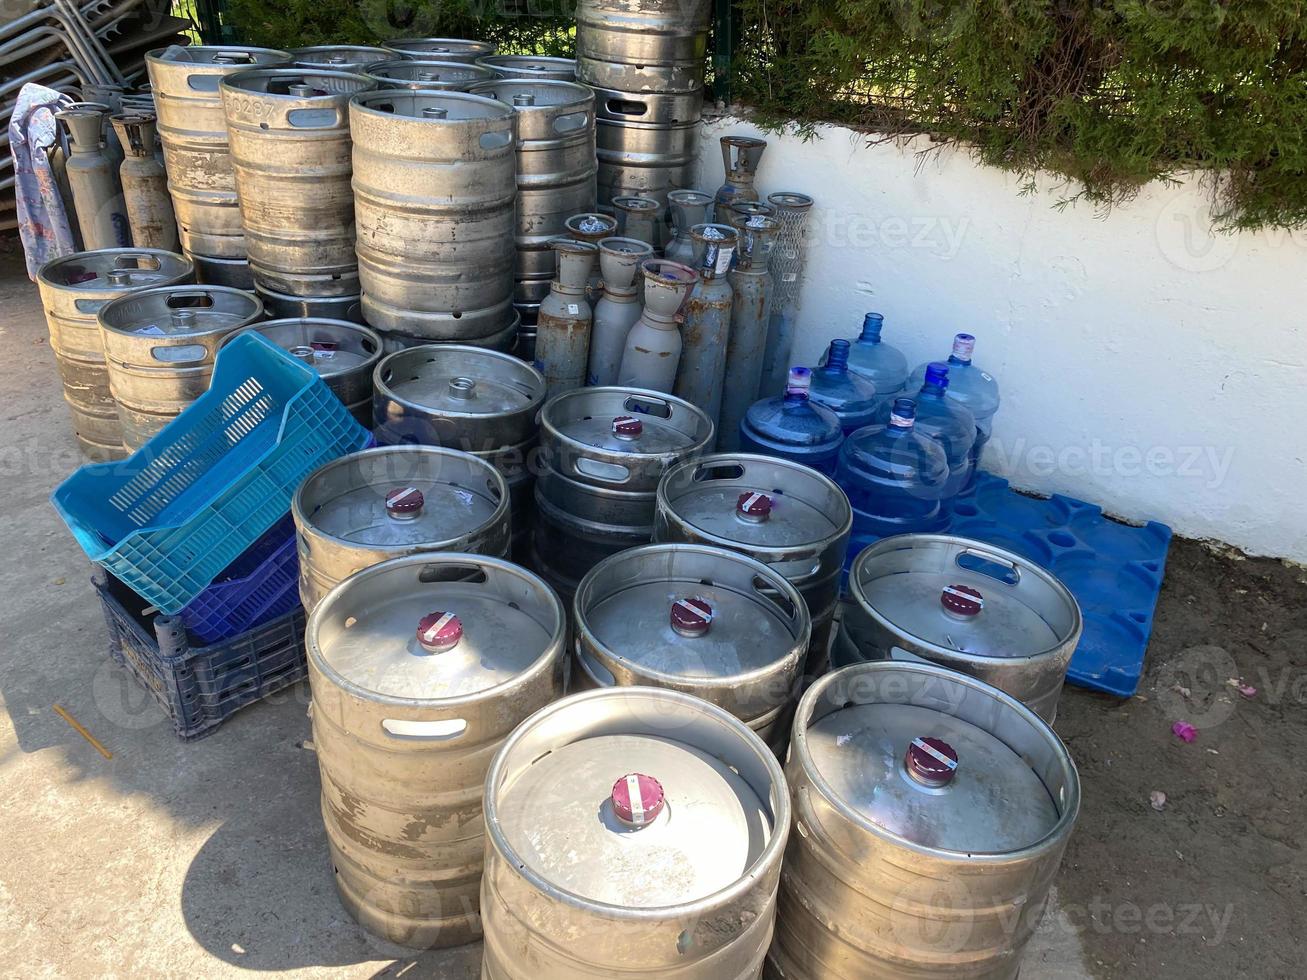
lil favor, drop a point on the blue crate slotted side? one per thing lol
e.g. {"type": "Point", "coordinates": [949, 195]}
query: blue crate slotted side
{"type": "Point", "coordinates": [260, 585]}
{"type": "Point", "coordinates": [170, 518]}
{"type": "Point", "coordinates": [200, 687]}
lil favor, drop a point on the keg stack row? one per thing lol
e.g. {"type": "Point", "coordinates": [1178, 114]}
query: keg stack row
{"type": "Point", "coordinates": [386, 186]}
{"type": "Point", "coordinates": [646, 64]}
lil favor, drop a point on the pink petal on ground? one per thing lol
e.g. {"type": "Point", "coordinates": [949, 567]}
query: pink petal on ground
{"type": "Point", "coordinates": [1157, 799]}
{"type": "Point", "coordinates": [1184, 731]}
{"type": "Point", "coordinates": [1247, 691]}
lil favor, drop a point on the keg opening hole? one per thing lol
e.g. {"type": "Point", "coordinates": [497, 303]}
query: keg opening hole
{"type": "Point", "coordinates": [725, 471]}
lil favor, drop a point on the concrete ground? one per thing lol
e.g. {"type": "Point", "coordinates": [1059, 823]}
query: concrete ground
{"type": "Point", "coordinates": [208, 858]}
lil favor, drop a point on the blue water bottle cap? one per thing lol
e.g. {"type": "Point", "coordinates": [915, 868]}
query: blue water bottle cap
{"type": "Point", "coordinates": [936, 375]}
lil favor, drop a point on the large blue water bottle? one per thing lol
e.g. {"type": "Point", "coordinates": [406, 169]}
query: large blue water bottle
{"type": "Point", "coordinates": [894, 477]}
{"type": "Point", "coordinates": [880, 363]}
{"type": "Point", "coordinates": [951, 424]}
{"type": "Point", "coordinates": [969, 385]}
{"type": "Point", "coordinates": [834, 386]}
{"type": "Point", "coordinates": [792, 427]}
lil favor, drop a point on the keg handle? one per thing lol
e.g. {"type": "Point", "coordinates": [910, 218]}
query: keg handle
{"type": "Point", "coordinates": [442, 730]}
{"type": "Point", "coordinates": [183, 354]}
{"type": "Point", "coordinates": [1010, 576]}
{"type": "Point", "coordinates": [142, 260]}
{"type": "Point", "coordinates": [571, 122]}
{"type": "Point", "coordinates": [598, 470]}
{"type": "Point", "coordinates": [768, 593]}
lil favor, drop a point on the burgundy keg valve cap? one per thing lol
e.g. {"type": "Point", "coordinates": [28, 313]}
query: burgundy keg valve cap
{"type": "Point", "coordinates": [404, 503]}
{"type": "Point", "coordinates": [931, 762]}
{"type": "Point", "coordinates": [753, 507]}
{"type": "Point", "coordinates": [637, 800]}
{"type": "Point", "coordinates": [627, 427]}
{"type": "Point", "coordinates": [691, 616]}
{"type": "Point", "coordinates": [961, 601]}
{"type": "Point", "coordinates": [439, 632]}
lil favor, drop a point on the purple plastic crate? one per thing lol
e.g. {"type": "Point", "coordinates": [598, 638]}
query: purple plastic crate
{"type": "Point", "coordinates": [260, 585]}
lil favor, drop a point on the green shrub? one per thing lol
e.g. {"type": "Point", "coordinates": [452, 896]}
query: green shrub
{"type": "Point", "coordinates": [1112, 94]}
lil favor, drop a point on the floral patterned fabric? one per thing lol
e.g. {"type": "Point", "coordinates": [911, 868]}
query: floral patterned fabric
{"type": "Point", "coordinates": [43, 221]}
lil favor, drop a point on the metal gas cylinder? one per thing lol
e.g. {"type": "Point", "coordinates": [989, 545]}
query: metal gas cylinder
{"type": "Point", "coordinates": [639, 218]}
{"type": "Point", "coordinates": [441, 48]}
{"type": "Point", "coordinates": [434, 193]}
{"type": "Point", "coordinates": [603, 452]}
{"type": "Point", "coordinates": [618, 308]}
{"type": "Point", "coordinates": [528, 66]}
{"type": "Point", "coordinates": [707, 319]}
{"type": "Point", "coordinates": [93, 178]}
{"type": "Point", "coordinates": [652, 351]}
{"type": "Point", "coordinates": [288, 134]}
{"type": "Point", "coordinates": [145, 183]}
{"type": "Point", "coordinates": [420, 668]}
{"type": "Point", "coordinates": [685, 209]}
{"type": "Point", "coordinates": [791, 210]}
{"type": "Point", "coordinates": [428, 76]}
{"type": "Point", "coordinates": [482, 402]}
{"type": "Point", "coordinates": [344, 353]}
{"type": "Point", "coordinates": [740, 158]}
{"type": "Point", "coordinates": [752, 287]}
{"type": "Point", "coordinates": [967, 606]}
{"type": "Point", "coordinates": [160, 345]}
{"type": "Point", "coordinates": [931, 812]}
{"type": "Point", "coordinates": [338, 57]}
{"type": "Point", "coordinates": [555, 166]}
{"type": "Point", "coordinates": [193, 132]}
{"type": "Point", "coordinates": [384, 503]}
{"type": "Point", "coordinates": [694, 618]}
{"type": "Point", "coordinates": [631, 833]}
{"type": "Point", "coordinates": [74, 288]}
{"type": "Point", "coordinates": [565, 319]}
{"type": "Point", "coordinates": [783, 514]}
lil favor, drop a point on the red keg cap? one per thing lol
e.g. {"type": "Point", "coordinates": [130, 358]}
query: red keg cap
{"type": "Point", "coordinates": [931, 761]}
{"type": "Point", "coordinates": [638, 799]}
{"type": "Point", "coordinates": [439, 631]}
{"type": "Point", "coordinates": [627, 427]}
{"type": "Point", "coordinates": [754, 507]}
{"type": "Point", "coordinates": [404, 503]}
{"type": "Point", "coordinates": [691, 616]}
{"type": "Point", "coordinates": [962, 600]}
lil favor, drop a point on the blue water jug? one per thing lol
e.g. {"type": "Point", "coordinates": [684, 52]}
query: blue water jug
{"type": "Point", "coordinates": [968, 385]}
{"type": "Point", "coordinates": [876, 361]}
{"type": "Point", "coordinates": [852, 398]}
{"type": "Point", "coordinates": [792, 427]}
{"type": "Point", "coordinates": [950, 423]}
{"type": "Point", "coordinates": [894, 477]}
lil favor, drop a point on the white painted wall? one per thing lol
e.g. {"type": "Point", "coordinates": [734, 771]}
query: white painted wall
{"type": "Point", "coordinates": [1146, 364]}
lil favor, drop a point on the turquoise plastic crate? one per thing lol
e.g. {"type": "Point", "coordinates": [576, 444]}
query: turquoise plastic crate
{"type": "Point", "coordinates": [168, 519]}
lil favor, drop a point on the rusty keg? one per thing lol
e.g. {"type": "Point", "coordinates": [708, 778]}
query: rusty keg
{"type": "Point", "coordinates": [73, 290]}
{"type": "Point", "coordinates": [434, 194]}
{"type": "Point", "coordinates": [555, 165]}
{"type": "Point", "coordinates": [632, 833]}
{"type": "Point", "coordinates": [428, 76]}
{"type": "Point", "coordinates": [603, 451]}
{"type": "Point", "coordinates": [527, 66]}
{"type": "Point", "coordinates": [193, 132]}
{"type": "Point", "coordinates": [931, 812]}
{"type": "Point", "coordinates": [384, 503]}
{"type": "Point", "coordinates": [420, 667]}
{"type": "Point", "coordinates": [288, 131]}
{"type": "Point", "coordinates": [693, 618]}
{"type": "Point", "coordinates": [160, 345]}
{"type": "Point", "coordinates": [642, 45]}
{"type": "Point", "coordinates": [441, 48]}
{"type": "Point", "coordinates": [783, 514]}
{"type": "Point", "coordinates": [345, 354]}
{"type": "Point", "coordinates": [965, 605]}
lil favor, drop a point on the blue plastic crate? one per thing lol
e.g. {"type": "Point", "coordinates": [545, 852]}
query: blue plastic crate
{"type": "Point", "coordinates": [1113, 569]}
{"type": "Point", "coordinates": [262, 584]}
{"type": "Point", "coordinates": [199, 687]}
{"type": "Point", "coordinates": [167, 520]}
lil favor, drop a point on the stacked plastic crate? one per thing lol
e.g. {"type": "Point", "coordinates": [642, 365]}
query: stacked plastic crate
{"type": "Point", "coordinates": [198, 569]}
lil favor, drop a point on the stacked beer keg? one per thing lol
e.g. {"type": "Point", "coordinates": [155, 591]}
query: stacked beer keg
{"type": "Point", "coordinates": [645, 62]}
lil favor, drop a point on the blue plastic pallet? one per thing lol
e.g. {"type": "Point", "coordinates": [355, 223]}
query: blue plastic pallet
{"type": "Point", "coordinates": [1113, 569]}
{"type": "Point", "coordinates": [199, 687]}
